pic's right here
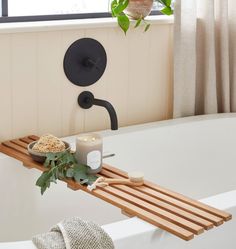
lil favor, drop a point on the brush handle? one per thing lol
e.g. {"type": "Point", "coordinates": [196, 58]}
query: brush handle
{"type": "Point", "coordinates": [123, 181]}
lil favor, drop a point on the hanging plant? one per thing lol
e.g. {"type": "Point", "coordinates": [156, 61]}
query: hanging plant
{"type": "Point", "coordinates": [126, 10]}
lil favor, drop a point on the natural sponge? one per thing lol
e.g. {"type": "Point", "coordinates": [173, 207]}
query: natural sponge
{"type": "Point", "coordinates": [49, 143]}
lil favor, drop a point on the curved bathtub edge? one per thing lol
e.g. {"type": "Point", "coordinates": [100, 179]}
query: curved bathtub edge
{"type": "Point", "coordinates": [157, 124]}
{"type": "Point", "coordinates": [139, 230]}
{"type": "Point", "coordinates": [18, 245]}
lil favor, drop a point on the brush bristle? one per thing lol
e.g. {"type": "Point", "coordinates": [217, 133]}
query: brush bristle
{"type": "Point", "coordinates": [136, 176]}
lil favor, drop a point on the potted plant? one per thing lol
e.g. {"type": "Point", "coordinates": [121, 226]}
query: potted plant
{"type": "Point", "coordinates": [126, 10]}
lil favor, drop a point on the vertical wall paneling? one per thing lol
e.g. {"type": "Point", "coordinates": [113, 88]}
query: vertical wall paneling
{"type": "Point", "coordinates": [138, 85]}
{"type": "Point", "coordinates": [169, 110]}
{"type": "Point", "coordinates": [24, 84]}
{"type": "Point", "coordinates": [72, 116]}
{"type": "Point", "coordinates": [159, 67]}
{"type": "Point", "coordinates": [36, 97]}
{"type": "Point", "coordinates": [119, 74]}
{"type": "Point", "coordinates": [5, 89]}
{"type": "Point", "coordinates": [49, 93]}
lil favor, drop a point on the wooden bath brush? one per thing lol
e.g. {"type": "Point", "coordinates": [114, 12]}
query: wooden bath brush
{"type": "Point", "coordinates": [135, 179]}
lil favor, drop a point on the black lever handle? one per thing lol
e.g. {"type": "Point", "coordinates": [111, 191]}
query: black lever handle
{"type": "Point", "coordinates": [89, 63]}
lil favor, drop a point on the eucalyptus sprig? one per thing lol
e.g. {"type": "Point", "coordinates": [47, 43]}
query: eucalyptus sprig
{"type": "Point", "coordinates": [118, 11]}
{"type": "Point", "coordinates": [61, 166]}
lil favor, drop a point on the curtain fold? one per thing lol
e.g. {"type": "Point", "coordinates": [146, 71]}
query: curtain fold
{"type": "Point", "coordinates": [205, 57]}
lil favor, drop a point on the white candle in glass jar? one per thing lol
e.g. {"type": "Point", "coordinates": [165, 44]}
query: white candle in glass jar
{"type": "Point", "coordinates": [89, 150]}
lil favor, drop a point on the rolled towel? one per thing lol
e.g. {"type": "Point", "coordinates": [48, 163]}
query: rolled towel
{"type": "Point", "coordinates": [74, 233]}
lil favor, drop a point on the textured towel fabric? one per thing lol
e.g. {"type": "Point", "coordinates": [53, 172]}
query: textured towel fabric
{"type": "Point", "coordinates": [74, 233]}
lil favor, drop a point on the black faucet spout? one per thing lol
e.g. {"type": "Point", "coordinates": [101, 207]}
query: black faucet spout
{"type": "Point", "coordinates": [86, 100]}
{"type": "Point", "coordinates": [111, 111]}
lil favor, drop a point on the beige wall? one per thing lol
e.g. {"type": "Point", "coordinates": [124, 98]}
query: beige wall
{"type": "Point", "coordinates": [36, 97]}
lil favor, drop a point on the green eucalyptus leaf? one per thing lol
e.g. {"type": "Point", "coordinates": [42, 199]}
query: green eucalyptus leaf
{"type": "Point", "coordinates": [63, 165]}
{"type": "Point", "coordinates": [52, 164]}
{"type": "Point", "coordinates": [70, 173]}
{"type": "Point", "coordinates": [80, 172]}
{"type": "Point", "coordinates": [81, 167]}
{"type": "Point", "coordinates": [43, 189]}
{"type": "Point", "coordinates": [85, 181]}
{"type": "Point", "coordinates": [80, 177]}
{"type": "Point", "coordinates": [47, 163]}
{"type": "Point", "coordinates": [61, 175]}
{"type": "Point", "coordinates": [91, 179]}
{"type": "Point", "coordinates": [53, 179]}
{"type": "Point", "coordinates": [124, 22]}
{"type": "Point", "coordinates": [45, 176]}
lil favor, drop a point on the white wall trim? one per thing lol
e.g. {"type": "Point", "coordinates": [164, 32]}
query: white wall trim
{"type": "Point", "coordinates": [41, 26]}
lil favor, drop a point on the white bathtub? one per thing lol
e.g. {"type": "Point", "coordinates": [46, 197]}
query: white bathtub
{"type": "Point", "coordinates": [194, 156]}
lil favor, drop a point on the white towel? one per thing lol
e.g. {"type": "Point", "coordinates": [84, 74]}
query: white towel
{"type": "Point", "coordinates": [74, 233]}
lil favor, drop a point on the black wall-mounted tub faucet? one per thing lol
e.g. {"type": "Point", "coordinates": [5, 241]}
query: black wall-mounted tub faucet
{"type": "Point", "coordinates": [84, 64]}
{"type": "Point", "coordinates": [86, 100]}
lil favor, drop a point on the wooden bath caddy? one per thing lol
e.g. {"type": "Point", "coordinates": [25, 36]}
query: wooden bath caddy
{"type": "Point", "coordinates": [168, 210]}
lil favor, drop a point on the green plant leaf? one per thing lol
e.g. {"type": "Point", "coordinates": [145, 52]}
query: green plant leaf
{"type": "Point", "coordinates": [85, 181]}
{"type": "Point", "coordinates": [113, 6]}
{"type": "Point", "coordinates": [53, 179]}
{"type": "Point", "coordinates": [165, 2]}
{"type": "Point", "coordinates": [63, 165]}
{"type": "Point", "coordinates": [70, 173]}
{"type": "Point", "coordinates": [168, 2]}
{"type": "Point", "coordinates": [147, 27]}
{"type": "Point", "coordinates": [91, 179]}
{"type": "Point", "coordinates": [123, 22]}
{"type": "Point", "coordinates": [138, 22]}
{"type": "Point", "coordinates": [120, 7]}
{"type": "Point", "coordinates": [167, 11]}
{"type": "Point", "coordinates": [80, 172]}
{"type": "Point", "coordinates": [43, 189]}
{"type": "Point", "coordinates": [43, 178]}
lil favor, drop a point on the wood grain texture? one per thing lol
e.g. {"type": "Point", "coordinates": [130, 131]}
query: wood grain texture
{"type": "Point", "coordinates": [162, 204]}
{"type": "Point", "coordinates": [168, 210]}
{"type": "Point", "coordinates": [174, 197]}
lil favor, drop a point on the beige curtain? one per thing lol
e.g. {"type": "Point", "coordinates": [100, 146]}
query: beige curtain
{"type": "Point", "coordinates": [205, 57]}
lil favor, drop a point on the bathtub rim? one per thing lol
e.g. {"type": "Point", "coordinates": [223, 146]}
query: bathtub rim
{"type": "Point", "coordinates": [167, 123]}
{"type": "Point", "coordinates": [117, 232]}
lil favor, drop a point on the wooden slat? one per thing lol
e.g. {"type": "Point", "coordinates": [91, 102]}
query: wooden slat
{"type": "Point", "coordinates": [20, 143]}
{"type": "Point", "coordinates": [175, 210]}
{"type": "Point", "coordinates": [16, 147]}
{"type": "Point", "coordinates": [203, 214]}
{"type": "Point", "coordinates": [224, 215]}
{"type": "Point", "coordinates": [33, 137]}
{"type": "Point", "coordinates": [192, 227]}
{"type": "Point", "coordinates": [26, 140]}
{"type": "Point", "coordinates": [181, 205]}
{"type": "Point", "coordinates": [137, 211]}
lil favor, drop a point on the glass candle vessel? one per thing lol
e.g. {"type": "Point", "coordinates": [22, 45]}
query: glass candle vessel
{"type": "Point", "coordinates": [89, 149]}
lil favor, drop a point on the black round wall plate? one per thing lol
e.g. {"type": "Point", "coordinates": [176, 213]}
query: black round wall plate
{"type": "Point", "coordinates": [85, 62]}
